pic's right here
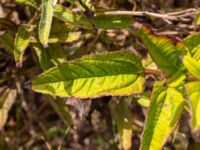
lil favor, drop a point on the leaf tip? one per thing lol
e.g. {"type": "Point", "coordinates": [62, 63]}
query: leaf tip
{"type": "Point", "coordinates": [28, 85]}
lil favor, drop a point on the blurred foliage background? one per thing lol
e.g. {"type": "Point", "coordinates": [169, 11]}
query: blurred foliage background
{"type": "Point", "coordinates": [33, 122]}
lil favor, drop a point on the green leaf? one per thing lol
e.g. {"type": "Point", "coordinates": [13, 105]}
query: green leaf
{"type": "Point", "coordinates": [162, 51]}
{"type": "Point", "coordinates": [124, 121]}
{"type": "Point", "coordinates": [164, 111]}
{"type": "Point", "coordinates": [192, 66]}
{"type": "Point", "coordinates": [193, 89]}
{"type": "Point", "coordinates": [51, 56]}
{"type": "Point", "coordinates": [45, 21]}
{"type": "Point", "coordinates": [31, 3]}
{"type": "Point", "coordinates": [22, 40]}
{"type": "Point", "coordinates": [92, 76]}
{"type": "Point", "coordinates": [113, 22]}
{"type": "Point", "coordinates": [6, 101]}
{"type": "Point", "coordinates": [7, 39]}
{"type": "Point", "coordinates": [64, 14]}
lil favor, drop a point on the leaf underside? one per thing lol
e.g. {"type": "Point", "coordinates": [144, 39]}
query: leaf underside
{"type": "Point", "coordinates": [116, 73]}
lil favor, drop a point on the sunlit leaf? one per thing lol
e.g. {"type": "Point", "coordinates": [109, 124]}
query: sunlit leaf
{"type": "Point", "coordinates": [162, 51]}
{"type": "Point", "coordinates": [164, 112]}
{"type": "Point", "coordinates": [6, 101]}
{"type": "Point", "coordinates": [92, 76]}
{"type": "Point", "coordinates": [192, 66]}
{"type": "Point", "coordinates": [22, 40]}
{"type": "Point", "coordinates": [193, 89]}
{"type": "Point", "coordinates": [45, 21]}
{"type": "Point", "coordinates": [144, 101]}
{"type": "Point", "coordinates": [51, 56]}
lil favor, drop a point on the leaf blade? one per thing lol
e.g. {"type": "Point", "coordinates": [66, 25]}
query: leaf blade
{"type": "Point", "coordinates": [193, 89]}
{"type": "Point", "coordinates": [45, 21]}
{"type": "Point", "coordinates": [165, 109]}
{"type": "Point", "coordinates": [162, 51]}
{"type": "Point", "coordinates": [91, 76]}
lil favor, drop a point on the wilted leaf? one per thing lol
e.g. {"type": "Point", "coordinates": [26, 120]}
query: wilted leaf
{"type": "Point", "coordinates": [31, 3]}
{"type": "Point", "coordinates": [113, 22]}
{"type": "Point", "coordinates": [45, 21]}
{"type": "Point", "coordinates": [164, 112]}
{"type": "Point", "coordinates": [124, 121]}
{"type": "Point", "coordinates": [192, 66]}
{"type": "Point", "coordinates": [162, 51]}
{"type": "Point", "coordinates": [193, 89]}
{"type": "Point", "coordinates": [7, 39]}
{"type": "Point", "coordinates": [64, 14]}
{"type": "Point", "coordinates": [92, 76]}
{"type": "Point", "coordinates": [22, 40]}
{"type": "Point", "coordinates": [51, 56]}
{"type": "Point", "coordinates": [6, 101]}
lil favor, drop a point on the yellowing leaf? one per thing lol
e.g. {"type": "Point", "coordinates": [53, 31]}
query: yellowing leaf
{"type": "Point", "coordinates": [164, 112]}
{"type": "Point", "coordinates": [193, 89]}
{"type": "Point", "coordinates": [45, 21]}
{"type": "Point", "coordinates": [6, 101]}
{"type": "Point", "coordinates": [22, 40]}
{"type": "Point", "coordinates": [192, 66]}
{"type": "Point", "coordinates": [162, 51]}
{"type": "Point", "coordinates": [116, 73]}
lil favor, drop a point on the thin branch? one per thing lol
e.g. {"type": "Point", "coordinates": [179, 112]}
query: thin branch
{"type": "Point", "coordinates": [181, 15]}
{"type": "Point", "coordinates": [160, 74]}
